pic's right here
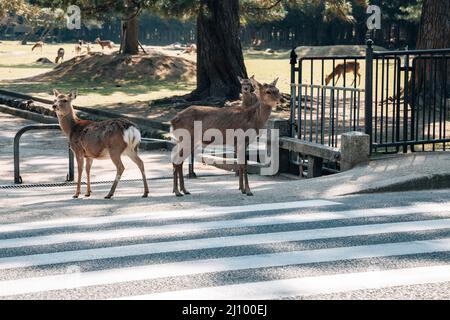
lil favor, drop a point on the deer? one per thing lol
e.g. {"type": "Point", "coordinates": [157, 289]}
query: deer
{"type": "Point", "coordinates": [38, 44]}
{"type": "Point", "coordinates": [90, 140]}
{"type": "Point", "coordinates": [234, 117]}
{"type": "Point", "coordinates": [60, 55]}
{"type": "Point", "coordinates": [78, 49]}
{"type": "Point", "coordinates": [248, 94]}
{"type": "Point", "coordinates": [105, 43]}
{"type": "Point", "coordinates": [343, 68]}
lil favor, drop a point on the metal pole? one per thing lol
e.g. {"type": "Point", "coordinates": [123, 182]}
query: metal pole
{"type": "Point", "coordinates": [369, 91]}
{"type": "Point", "coordinates": [293, 63]}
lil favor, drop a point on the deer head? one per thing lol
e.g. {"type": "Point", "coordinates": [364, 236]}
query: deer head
{"type": "Point", "coordinates": [246, 84]}
{"type": "Point", "coordinates": [269, 93]}
{"type": "Point", "coordinates": [62, 104]}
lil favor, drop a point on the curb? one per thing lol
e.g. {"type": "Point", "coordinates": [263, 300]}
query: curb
{"type": "Point", "coordinates": [430, 182]}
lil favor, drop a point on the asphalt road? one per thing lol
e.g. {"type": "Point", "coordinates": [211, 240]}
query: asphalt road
{"type": "Point", "coordinates": [383, 246]}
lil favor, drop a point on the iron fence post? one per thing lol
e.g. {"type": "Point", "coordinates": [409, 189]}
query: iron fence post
{"type": "Point", "coordinates": [405, 107]}
{"type": "Point", "coordinates": [293, 63]}
{"type": "Point", "coordinates": [369, 92]}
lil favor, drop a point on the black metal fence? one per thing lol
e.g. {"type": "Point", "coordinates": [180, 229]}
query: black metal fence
{"type": "Point", "coordinates": [407, 100]}
{"type": "Point", "coordinates": [401, 100]}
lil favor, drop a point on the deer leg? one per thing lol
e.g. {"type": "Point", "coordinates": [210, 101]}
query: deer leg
{"type": "Point", "coordinates": [80, 164]}
{"type": "Point", "coordinates": [181, 177]}
{"type": "Point", "coordinates": [241, 178]}
{"type": "Point", "coordinates": [120, 168]}
{"type": "Point", "coordinates": [247, 187]}
{"type": "Point", "coordinates": [88, 176]}
{"type": "Point", "coordinates": [138, 161]}
{"type": "Point", "coordinates": [359, 76]}
{"type": "Point", "coordinates": [175, 179]}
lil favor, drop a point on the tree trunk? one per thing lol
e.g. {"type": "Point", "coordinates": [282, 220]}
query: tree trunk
{"type": "Point", "coordinates": [432, 77]}
{"type": "Point", "coordinates": [219, 53]}
{"type": "Point", "coordinates": [130, 31]}
{"type": "Point", "coordinates": [434, 25]}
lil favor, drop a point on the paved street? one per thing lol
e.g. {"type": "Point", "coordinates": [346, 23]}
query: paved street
{"type": "Point", "coordinates": [295, 239]}
{"type": "Point", "coordinates": [371, 246]}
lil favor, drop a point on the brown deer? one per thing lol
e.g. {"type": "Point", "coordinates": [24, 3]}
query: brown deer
{"type": "Point", "coordinates": [78, 49]}
{"type": "Point", "coordinates": [248, 94]}
{"type": "Point", "coordinates": [98, 140]}
{"type": "Point", "coordinates": [343, 68]}
{"type": "Point", "coordinates": [60, 55]}
{"type": "Point", "coordinates": [234, 118]}
{"type": "Point", "coordinates": [38, 44]}
{"type": "Point", "coordinates": [105, 43]}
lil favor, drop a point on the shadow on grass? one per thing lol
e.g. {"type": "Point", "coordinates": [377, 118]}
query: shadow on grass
{"type": "Point", "coordinates": [104, 88]}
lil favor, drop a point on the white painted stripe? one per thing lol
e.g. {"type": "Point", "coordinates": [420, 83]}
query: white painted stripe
{"type": "Point", "coordinates": [308, 286]}
{"type": "Point", "coordinates": [176, 229]}
{"type": "Point", "coordinates": [220, 242]}
{"type": "Point", "coordinates": [158, 215]}
{"type": "Point", "coordinates": [104, 277]}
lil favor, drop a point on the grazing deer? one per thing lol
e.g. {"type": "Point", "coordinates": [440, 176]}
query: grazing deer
{"type": "Point", "coordinates": [343, 68]}
{"type": "Point", "coordinates": [60, 55]}
{"type": "Point", "coordinates": [105, 43]}
{"type": "Point", "coordinates": [38, 44]}
{"type": "Point", "coordinates": [98, 140]}
{"type": "Point", "coordinates": [222, 119]}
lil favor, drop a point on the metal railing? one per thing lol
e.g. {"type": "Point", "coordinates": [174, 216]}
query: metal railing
{"type": "Point", "coordinates": [406, 99]}
{"type": "Point", "coordinates": [321, 110]}
{"type": "Point", "coordinates": [17, 177]}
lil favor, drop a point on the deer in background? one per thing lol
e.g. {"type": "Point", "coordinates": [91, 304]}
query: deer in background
{"type": "Point", "coordinates": [105, 43]}
{"type": "Point", "coordinates": [108, 139]}
{"type": "Point", "coordinates": [38, 44]}
{"type": "Point", "coordinates": [234, 117]}
{"type": "Point", "coordinates": [343, 68]}
{"type": "Point", "coordinates": [60, 55]}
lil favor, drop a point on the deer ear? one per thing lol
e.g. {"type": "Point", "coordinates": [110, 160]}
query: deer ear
{"type": "Point", "coordinates": [252, 77]}
{"type": "Point", "coordinates": [55, 92]}
{"type": "Point", "coordinates": [274, 83]}
{"type": "Point", "coordinates": [255, 83]}
{"type": "Point", "coordinates": [240, 79]}
{"type": "Point", "coordinates": [73, 94]}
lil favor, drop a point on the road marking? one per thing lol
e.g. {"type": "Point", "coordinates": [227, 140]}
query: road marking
{"type": "Point", "coordinates": [309, 286]}
{"type": "Point", "coordinates": [176, 229]}
{"type": "Point", "coordinates": [158, 215]}
{"type": "Point", "coordinates": [218, 242]}
{"type": "Point", "coordinates": [104, 277]}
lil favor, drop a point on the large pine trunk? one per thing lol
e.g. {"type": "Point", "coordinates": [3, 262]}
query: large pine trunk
{"type": "Point", "coordinates": [219, 53]}
{"type": "Point", "coordinates": [431, 75]}
{"type": "Point", "coordinates": [130, 31]}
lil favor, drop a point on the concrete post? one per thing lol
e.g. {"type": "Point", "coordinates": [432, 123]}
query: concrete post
{"type": "Point", "coordinates": [355, 149]}
{"type": "Point", "coordinates": [283, 127]}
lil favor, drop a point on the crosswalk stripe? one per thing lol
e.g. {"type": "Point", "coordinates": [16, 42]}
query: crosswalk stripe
{"type": "Point", "coordinates": [158, 215]}
{"type": "Point", "coordinates": [180, 228]}
{"type": "Point", "coordinates": [218, 242]}
{"type": "Point", "coordinates": [309, 286]}
{"type": "Point", "coordinates": [104, 277]}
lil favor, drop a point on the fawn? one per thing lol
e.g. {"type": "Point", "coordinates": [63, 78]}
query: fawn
{"type": "Point", "coordinates": [60, 55]}
{"type": "Point", "coordinates": [343, 68]}
{"type": "Point", "coordinates": [221, 119]}
{"type": "Point", "coordinates": [38, 44]}
{"type": "Point", "coordinates": [98, 140]}
{"type": "Point", "coordinates": [105, 43]}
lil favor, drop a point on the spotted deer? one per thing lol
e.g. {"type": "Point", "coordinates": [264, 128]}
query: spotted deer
{"type": "Point", "coordinates": [234, 117]}
{"type": "Point", "coordinates": [105, 43]}
{"type": "Point", "coordinates": [343, 68]}
{"type": "Point", "coordinates": [89, 140]}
